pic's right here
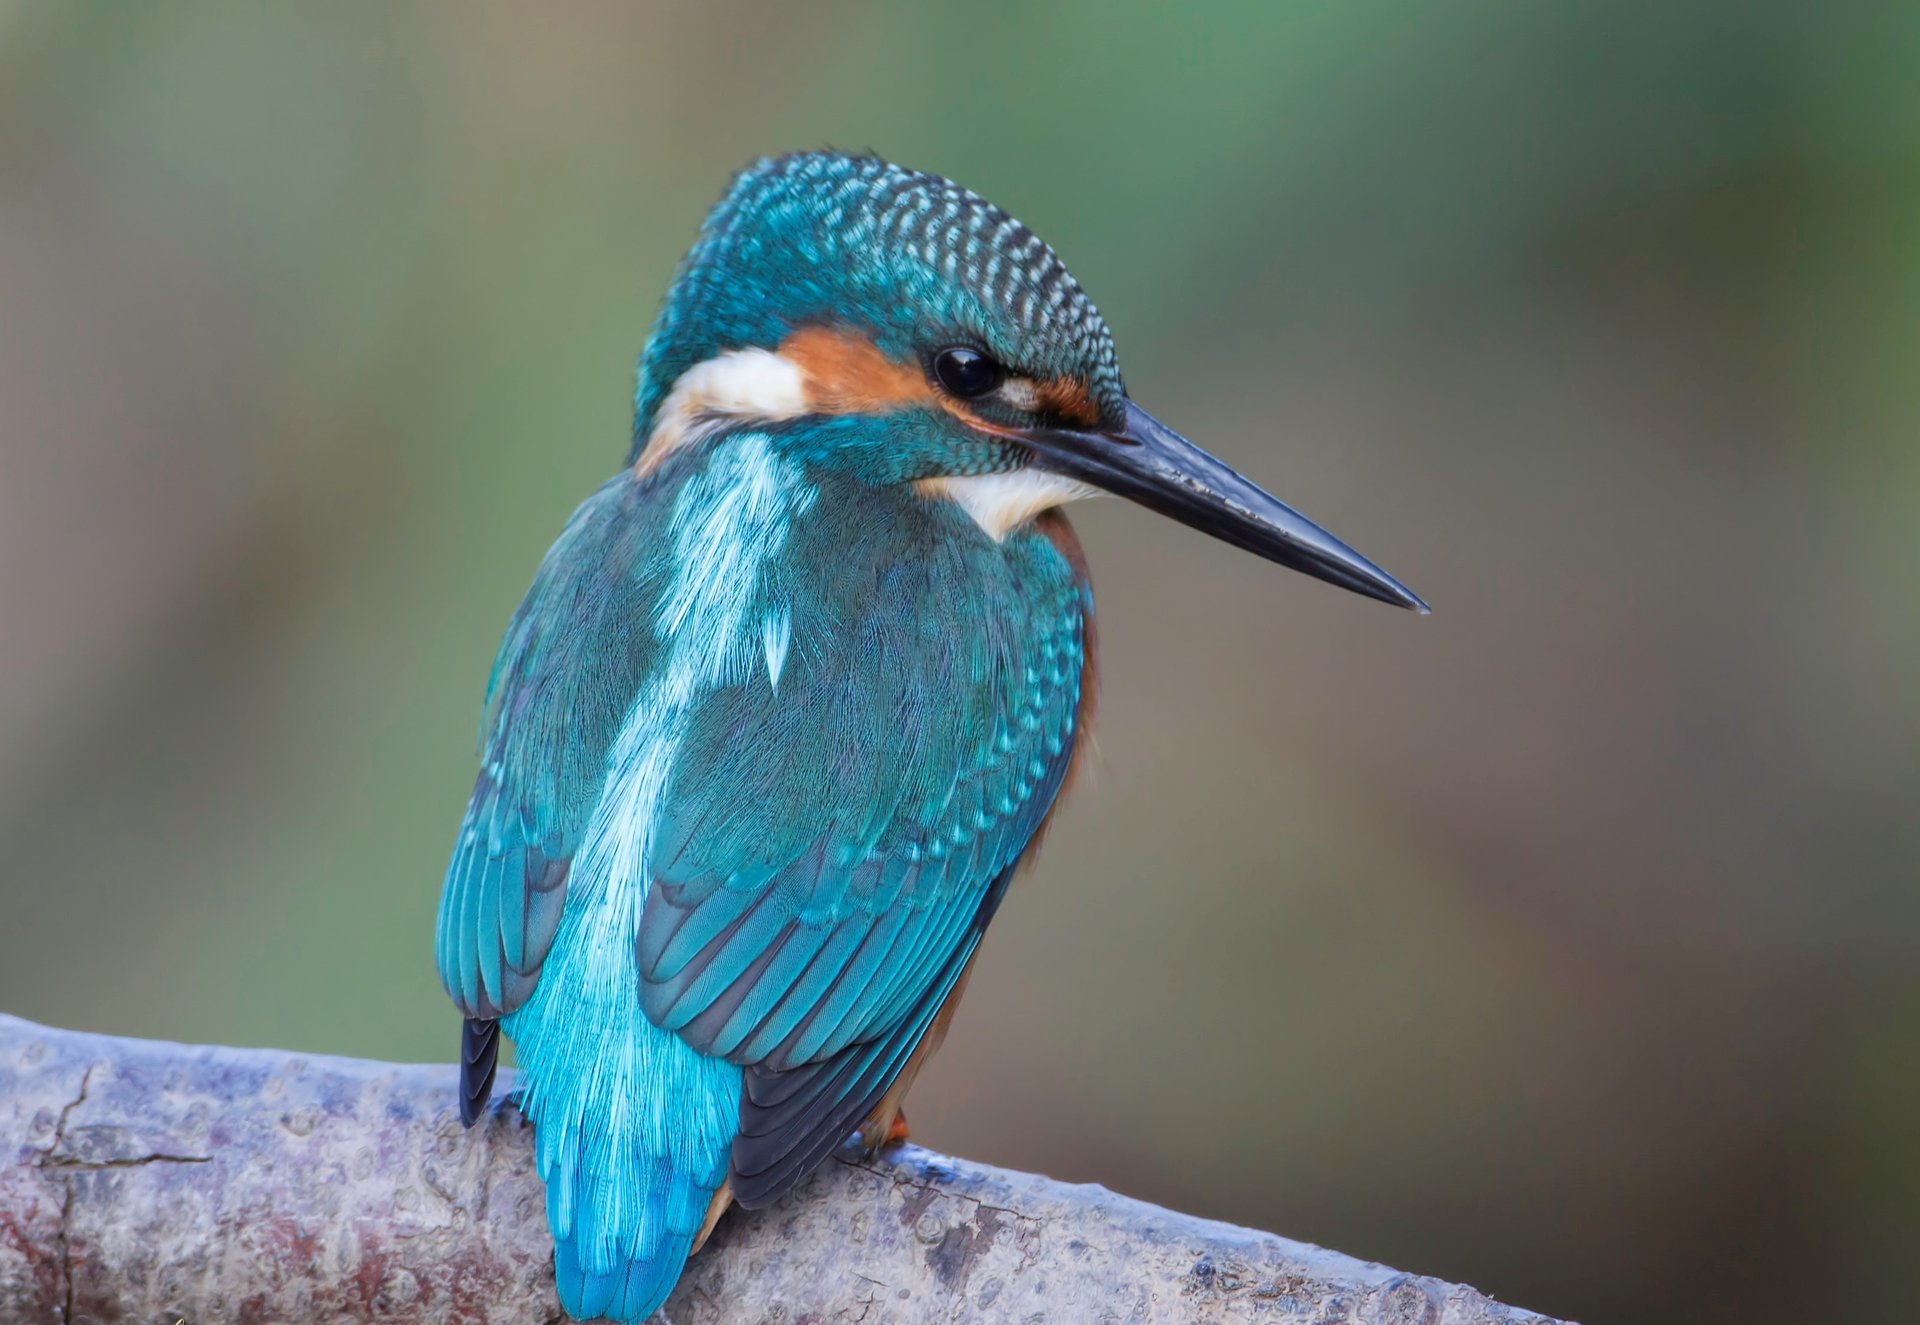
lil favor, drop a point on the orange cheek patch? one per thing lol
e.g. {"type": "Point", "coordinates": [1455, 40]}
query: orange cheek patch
{"type": "Point", "coordinates": [1068, 398]}
{"type": "Point", "coordinates": [847, 374]}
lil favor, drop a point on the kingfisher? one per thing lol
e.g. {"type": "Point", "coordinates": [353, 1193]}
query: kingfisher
{"type": "Point", "coordinates": [792, 699]}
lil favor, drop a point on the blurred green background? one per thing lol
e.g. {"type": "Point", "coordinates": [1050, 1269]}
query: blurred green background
{"type": "Point", "coordinates": [1567, 942]}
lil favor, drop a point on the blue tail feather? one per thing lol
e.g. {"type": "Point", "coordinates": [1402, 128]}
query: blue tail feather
{"type": "Point", "coordinates": [631, 1291]}
{"type": "Point", "coordinates": [632, 1128]}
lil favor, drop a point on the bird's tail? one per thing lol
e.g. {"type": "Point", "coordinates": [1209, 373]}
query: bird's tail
{"type": "Point", "coordinates": [625, 1278]}
{"type": "Point", "coordinates": [632, 1127]}
{"type": "Point", "coordinates": [619, 1245]}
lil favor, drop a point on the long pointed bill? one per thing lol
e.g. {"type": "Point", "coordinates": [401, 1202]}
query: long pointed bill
{"type": "Point", "coordinates": [1147, 462]}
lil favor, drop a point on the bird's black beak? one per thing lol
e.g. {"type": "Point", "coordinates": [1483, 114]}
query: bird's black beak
{"type": "Point", "coordinates": [1145, 461]}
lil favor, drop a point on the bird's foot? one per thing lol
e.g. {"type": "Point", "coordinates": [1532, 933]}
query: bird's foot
{"type": "Point", "coordinates": [873, 1137]}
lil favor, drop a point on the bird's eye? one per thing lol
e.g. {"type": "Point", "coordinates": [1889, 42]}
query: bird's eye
{"type": "Point", "coordinates": [967, 373]}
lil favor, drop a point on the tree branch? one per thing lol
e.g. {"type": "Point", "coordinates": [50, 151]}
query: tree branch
{"type": "Point", "coordinates": [143, 1181]}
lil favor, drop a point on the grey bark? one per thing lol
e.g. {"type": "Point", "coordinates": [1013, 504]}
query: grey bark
{"type": "Point", "coordinates": [157, 1183]}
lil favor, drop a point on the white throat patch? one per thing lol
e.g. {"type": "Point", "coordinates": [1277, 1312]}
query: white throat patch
{"type": "Point", "coordinates": [1001, 503]}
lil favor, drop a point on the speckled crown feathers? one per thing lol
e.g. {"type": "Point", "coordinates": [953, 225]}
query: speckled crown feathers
{"type": "Point", "coordinates": [902, 255]}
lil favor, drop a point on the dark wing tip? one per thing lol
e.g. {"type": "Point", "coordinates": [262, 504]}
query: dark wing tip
{"type": "Point", "coordinates": [479, 1059]}
{"type": "Point", "coordinates": [779, 1146]}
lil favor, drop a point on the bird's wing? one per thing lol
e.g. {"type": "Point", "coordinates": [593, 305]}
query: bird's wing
{"type": "Point", "coordinates": [552, 710]}
{"type": "Point", "coordinates": [791, 1118]}
{"type": "Point", "coordinates": [830, 845]}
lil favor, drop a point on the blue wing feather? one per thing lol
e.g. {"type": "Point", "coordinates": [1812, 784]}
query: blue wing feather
{"type": "Point", "coordinates": [826, 846]}
{"type": "Point", "coordinates": [566, 671]}
{"type": "Point", "coordinates": [790, 1120]}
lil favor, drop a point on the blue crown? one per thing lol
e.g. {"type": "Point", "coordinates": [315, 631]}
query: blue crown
{"type": "Point", "coordinates": [904, 256]}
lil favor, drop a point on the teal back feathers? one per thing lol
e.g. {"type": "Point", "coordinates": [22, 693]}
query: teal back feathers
{"type": "Point", "coordinates": [764, 742]}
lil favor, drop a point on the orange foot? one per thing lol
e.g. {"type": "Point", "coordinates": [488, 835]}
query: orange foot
{"type": "Point", "coordinates": [872, 1139]}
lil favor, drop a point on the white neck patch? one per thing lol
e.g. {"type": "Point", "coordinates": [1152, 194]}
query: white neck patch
{"type": "Point", "coordinates": [1001, 503]}
{"type": "Point", "coordinates": [757, 384]}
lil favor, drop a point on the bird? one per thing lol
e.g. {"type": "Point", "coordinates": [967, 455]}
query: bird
{"type": "Point", "coordinates": [793, 697]}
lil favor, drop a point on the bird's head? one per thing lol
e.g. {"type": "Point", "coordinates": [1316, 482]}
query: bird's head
{"type": "Point", "coordinates": [929, 338]}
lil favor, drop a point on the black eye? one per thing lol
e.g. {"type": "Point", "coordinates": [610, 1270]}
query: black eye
{"type": "Point", "coordinates": [967, 373]}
